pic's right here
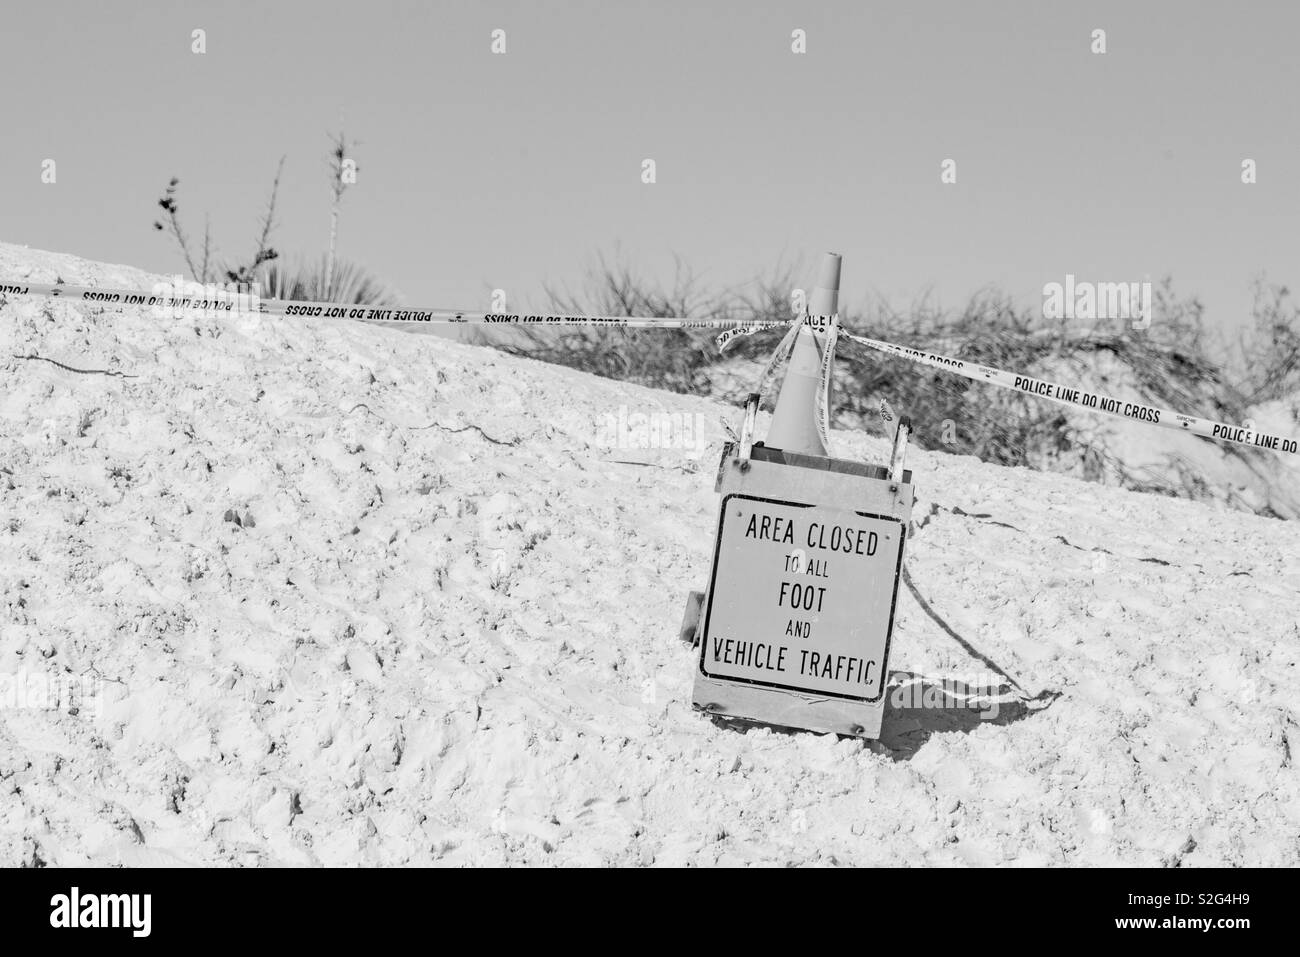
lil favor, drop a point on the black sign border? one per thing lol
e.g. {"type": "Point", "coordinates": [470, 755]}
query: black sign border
{"type": "Point", "coordinates": [713, 575]}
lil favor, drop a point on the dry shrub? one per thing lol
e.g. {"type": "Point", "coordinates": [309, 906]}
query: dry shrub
{"type": "Point", "coordinates": [1174, 363]}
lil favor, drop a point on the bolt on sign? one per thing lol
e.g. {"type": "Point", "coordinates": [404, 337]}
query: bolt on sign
{"type": "Point", "coordinates": [795, 626]}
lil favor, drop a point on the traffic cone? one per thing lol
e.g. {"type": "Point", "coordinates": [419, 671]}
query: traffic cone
{"type": "Point", "coordinates": [794, 425]}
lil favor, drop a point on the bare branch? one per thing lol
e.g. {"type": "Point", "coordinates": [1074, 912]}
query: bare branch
{"type": "Point", "coordinates": [264, 252]}
{"type": "Point", "coordinates": [168, 203]}
{"type": "Point", "coordinates": [339, 157]}
{"type": "Point", "coordinates": [207, 246]}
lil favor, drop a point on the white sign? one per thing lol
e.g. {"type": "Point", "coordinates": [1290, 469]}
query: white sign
{"type": "Point", "coordinates": [802, 597]}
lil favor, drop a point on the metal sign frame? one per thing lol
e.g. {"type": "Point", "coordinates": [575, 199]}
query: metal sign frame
{"type": "Point", "coordinates": [812, 480]}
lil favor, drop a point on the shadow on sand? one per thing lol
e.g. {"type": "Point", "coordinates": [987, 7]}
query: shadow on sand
{"type": "Point", "coordinates": [917, 706]}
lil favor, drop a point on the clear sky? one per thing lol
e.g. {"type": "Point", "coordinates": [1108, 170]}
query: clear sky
{"type": "Point", "coordinates": [480, 170]}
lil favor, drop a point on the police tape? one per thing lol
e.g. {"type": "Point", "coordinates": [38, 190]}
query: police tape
{"type": "Point", "coordinates": [1055, 392]}
{"type": "Point", "coordinates": [825, 371]}
{"type": "Point", "coordinates": [779, 355]}
{"type": "Point", "coordinates": [1090, 401]}
{"type": "Point", "coordinates": [735, 328]}
{"type": "Point", "coordinates": [238, 304]}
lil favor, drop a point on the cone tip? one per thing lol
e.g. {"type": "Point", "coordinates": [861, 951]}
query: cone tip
{"type": "Point", "coordinates": [826, 294]}
{"type": "Point", "coordinates": [830, 271]}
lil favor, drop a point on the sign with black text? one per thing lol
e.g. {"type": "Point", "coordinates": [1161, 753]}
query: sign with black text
{"type": "Point", "coordinates": [802, 597]}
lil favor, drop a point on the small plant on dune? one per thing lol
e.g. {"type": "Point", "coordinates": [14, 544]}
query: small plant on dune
{"type": "Point", "coordinates": [324, 280]}
{"type": "Point", "coordinates": [327, 279]}
{"type": "Point", "coordinates": [263, 253]}
{"type": "Point", "coordinates": [343, 171]}
{"type": "Point", "coordinates": [201, 265]}
{"type": "Point", "coordinates": [199, 272]}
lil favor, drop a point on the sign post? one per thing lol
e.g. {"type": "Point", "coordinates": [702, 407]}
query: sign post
{"type": "Point", "coordinates": [794, 628]}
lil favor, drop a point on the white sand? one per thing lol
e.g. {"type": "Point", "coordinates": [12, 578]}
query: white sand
{"type": "Point", "coordinates": [428, 647]}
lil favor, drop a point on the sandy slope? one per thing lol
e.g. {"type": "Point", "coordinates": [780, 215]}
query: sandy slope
{"type": "Point", "coordinates": [447, 633]}
{"type": "Point", "coordinates": [1251, 479]}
